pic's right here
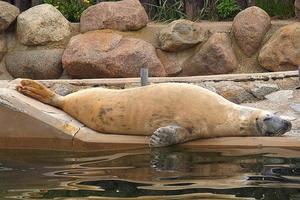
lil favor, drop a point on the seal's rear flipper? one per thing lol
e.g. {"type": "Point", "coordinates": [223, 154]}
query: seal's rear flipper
{"type": "Point", "coordinates": [169, 135]}
{"type": "Point", "coordinates": [39, 92]}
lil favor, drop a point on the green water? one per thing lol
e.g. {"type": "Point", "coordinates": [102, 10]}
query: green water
{"type": "Point", "coordinates": [171, 173]}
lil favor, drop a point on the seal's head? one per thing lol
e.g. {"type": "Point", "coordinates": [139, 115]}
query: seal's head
{"type": "Point", "coordinates": [269, 124]}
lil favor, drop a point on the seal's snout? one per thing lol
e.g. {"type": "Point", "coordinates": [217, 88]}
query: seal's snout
{"type": "Point", "coordinates": [272, 125]}
{"type": "Point", "coordinates": [288, 125]}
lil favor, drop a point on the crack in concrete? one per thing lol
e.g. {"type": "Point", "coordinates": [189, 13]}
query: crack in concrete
{"type": "Point", "coordinates": [74, 137]}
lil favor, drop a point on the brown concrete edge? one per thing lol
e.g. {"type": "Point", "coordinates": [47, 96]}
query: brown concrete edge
{"type": "Point", "coordinates": [187, 79]}
{"type": "Point", "coordinates": [89, 140]}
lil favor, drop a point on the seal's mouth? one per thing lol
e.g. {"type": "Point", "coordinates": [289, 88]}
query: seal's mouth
{"type": "Point", "coordinates": [272, 125]}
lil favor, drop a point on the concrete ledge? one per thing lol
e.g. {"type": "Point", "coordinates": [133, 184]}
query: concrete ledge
{"type": "Point", "coordinates": [186, 79]}
{"type": "Point", "coordinates": [29, 124]}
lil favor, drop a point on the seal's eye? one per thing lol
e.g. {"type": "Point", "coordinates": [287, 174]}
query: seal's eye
{"type": "Point", "coordinates": [267, 118]}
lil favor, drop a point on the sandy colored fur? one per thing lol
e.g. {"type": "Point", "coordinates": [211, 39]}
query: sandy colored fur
{"type": "Point", "coordinates": [140, 111]}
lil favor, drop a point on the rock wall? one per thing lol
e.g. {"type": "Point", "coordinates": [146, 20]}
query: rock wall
{"type": "Point", "coordinates": [115, 39]}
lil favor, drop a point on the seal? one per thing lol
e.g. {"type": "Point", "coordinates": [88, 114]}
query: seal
{"type": "Point", "coordinates": [170, 113]}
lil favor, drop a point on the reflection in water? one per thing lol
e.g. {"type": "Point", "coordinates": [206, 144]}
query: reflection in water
{"type": "Point", "coordinates": [272, 174]}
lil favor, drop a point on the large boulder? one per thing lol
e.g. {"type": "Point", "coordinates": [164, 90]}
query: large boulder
{"type": "Point", "coordinates": [297, 8]}
{"type": "Point", "coordinates": [179, 35]}
{"type": "Point", "coordinates": [249, 28]}
{"type": "Point", "coordinates": [99, 54]}
{"type": "Point", "coordinates": [8, 14]}
{"type": "Point", "coordinates": [123, 15]}
{"type": "Point", "coordinates": [3, 47]}
{"type": "Point", "coordinates": [216, 56]}
{"type": "Point", "coordinates": [42, 24]}
{"type": "Point", "coordinates": [35, 64]}
{"type": "Point", "coordinates": [282, 51]}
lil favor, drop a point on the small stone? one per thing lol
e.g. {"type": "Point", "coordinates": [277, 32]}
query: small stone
{"type": "Point", "coordinates": [216, 56]}
{"type": "Point", "coordinates": [234, 93]}
{"type": "Point", "coordinates": [41, 25]}
{"type": "Point", "coordinates": [208, 85]}
{"type": "Point", "coordinates": [295, 107]}
{"type": "Point", "coordinates": [63, 89]}
{"type": "Point", "coordinates": [126, 15]}
{"type": "Point", "coordinates": [249, 28]}
{"type": "Point", "coordinates": [180, 34]}
{"type": "Point", "coordinates": [35, 64]}
{"type": "Point", "coordinates": [280, 96]}
{"type": "Point", "coordinates": [260, 90]}
{"type": "Point", "coordinates": [282, 51]}
{"type": "Point", "coordinates": [8, 14]}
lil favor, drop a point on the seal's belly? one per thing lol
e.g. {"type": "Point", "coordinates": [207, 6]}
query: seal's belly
{"type": "Point", "coordinates": [133, 119]}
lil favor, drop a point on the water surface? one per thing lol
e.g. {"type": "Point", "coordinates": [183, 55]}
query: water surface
{"type": "Point", "coordinates": [169, 173]}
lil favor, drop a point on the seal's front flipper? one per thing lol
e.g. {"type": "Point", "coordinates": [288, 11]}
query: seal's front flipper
{"type": "Point", "coordinates": [168, 135]}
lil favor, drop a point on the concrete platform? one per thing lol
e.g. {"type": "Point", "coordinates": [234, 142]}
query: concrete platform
{"type": "Point", "coordinates": [29, 124]}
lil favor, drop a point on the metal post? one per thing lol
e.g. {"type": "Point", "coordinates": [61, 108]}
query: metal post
{"type": "Point", "coordinates": [144, 76]}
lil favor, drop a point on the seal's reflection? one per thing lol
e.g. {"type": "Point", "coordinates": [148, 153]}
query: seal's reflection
{"type": "Point", "coordinates": [203, 164]}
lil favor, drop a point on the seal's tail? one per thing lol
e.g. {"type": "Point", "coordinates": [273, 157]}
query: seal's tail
{"type": "Point", "coordinates": [40, 92]}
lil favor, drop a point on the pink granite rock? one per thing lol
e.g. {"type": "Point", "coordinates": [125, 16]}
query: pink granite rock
{"type": "Point", "coordinates": [100, 54]}
{"type": "Point", "coordinates": [249, 28]}
{"type": "Point", "coordinates": [122, 15]}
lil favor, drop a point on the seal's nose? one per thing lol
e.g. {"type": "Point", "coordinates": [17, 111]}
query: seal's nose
{"type": "Point", "coordinates": [275, 125]}
{"type": "Point", "coordinates": [287, 125]}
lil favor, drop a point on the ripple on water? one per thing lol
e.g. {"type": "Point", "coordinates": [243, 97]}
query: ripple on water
{"type": "Point", "coordinates": [170, 173]}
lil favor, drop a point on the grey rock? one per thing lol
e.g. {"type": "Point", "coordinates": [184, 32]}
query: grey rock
{"type": "Point", "coordinates": [180, 34]}
{"type": "Point", "coordinates": [295, 107]}
{"type": "Point", "coordinates": [260, 90]}
{"type": "Point", "coordinates": [35, 64]}
{"type": "Point", "coordinates": [41, 25]}
{"type": "Point", "coordinates": [280, 96]}
{"type": "Point", "coordinates": [209, 86]}
{"type": "Point", "coordinates": [3, 47]}
{"type": "Point", "coordinates": [63, 89]}
{"type": "Point", "coordinates": [233, 92]}
{"type": "Point", "coordinates": [8, 14]}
